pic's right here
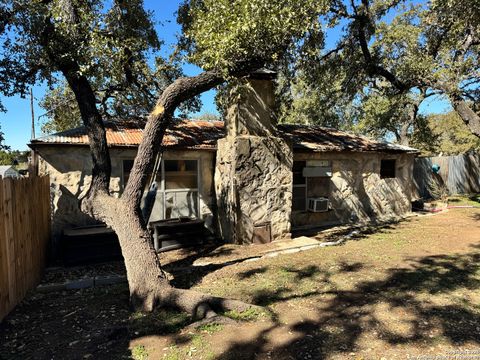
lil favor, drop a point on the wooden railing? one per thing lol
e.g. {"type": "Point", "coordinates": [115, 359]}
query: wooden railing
{"type": "Point", "coordinates": [24, 237]}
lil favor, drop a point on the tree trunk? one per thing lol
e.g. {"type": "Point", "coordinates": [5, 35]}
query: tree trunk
{"type": "Point", "coordinates": [466, 113]}
{"type": "Point", "coordinates": [404, 136]}
{"type": "Point", "coordinates": [148, 283]}
{"type": "Point", "coordinates": [92, 120]}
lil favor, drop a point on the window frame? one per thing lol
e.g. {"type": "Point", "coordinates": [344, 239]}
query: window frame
{"type": "Point", "coordinates": [161, 183]}
{"type": "Point", "coordinates": [165, 191]}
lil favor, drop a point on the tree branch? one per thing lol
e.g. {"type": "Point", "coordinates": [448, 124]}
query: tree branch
{"type": "Point", "coordinates": [372, 67]}
{"type": "Point", "coordinates": [86, 100]}
{"type": "Point", "coordinates": [468, 115]}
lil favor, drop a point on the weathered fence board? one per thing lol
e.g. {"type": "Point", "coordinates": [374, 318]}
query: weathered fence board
{"type": "Point", "coordinates": [461, 174]}
{"type": "Point", "coordinates": [24, 237]}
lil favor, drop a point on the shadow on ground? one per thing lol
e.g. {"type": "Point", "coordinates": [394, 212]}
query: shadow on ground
{"type": "Point", "coordinates": [350, 314]}
{"type": "Point", "coordinates": [97, 323]}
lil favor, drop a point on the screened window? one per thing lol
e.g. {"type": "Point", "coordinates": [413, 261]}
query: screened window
{"type": "Point", "coordinates": [180, 188]}
{"type": "Point", "coordinates": [181, 174]}
{"type": "Point", "coordinates": [387, 168]}
{"type": "Point", "coordinates": [299, 196]}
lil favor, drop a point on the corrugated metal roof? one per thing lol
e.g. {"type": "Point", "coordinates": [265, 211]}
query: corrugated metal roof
{"type": "Point", "coordinates": [321, 139]}
{"type": "Point", "coordinates": [183, 133]}
{"type": "Point", "coordinates": [204, 135]}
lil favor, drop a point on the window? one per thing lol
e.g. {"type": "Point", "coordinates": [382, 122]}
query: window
{"type": "Point", "coordinates": [180, 174]}
{"type": "Point", "coordinates": [127, 168]}
{"type": "Point", "coordinates": [174, 192]}
{"type": "Point", "coordinates": [299, 196]}
{"type": "Point", "coordinates": [180, 189]}
{"type": "Point", "coordinates": [387, 168]}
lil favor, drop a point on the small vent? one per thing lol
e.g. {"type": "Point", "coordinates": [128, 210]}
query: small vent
{"type": "Point", "coordinates": [262, 233]}
{"type": "Point", "coordinates": [319, 204]}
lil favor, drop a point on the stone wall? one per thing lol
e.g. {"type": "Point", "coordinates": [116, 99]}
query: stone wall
{"type": "Point", "coordinates": [69, 168]}
{"type": "Point", "coordinates": [356, 191]}
{"type": "Point", "coordinates": [253, 180]}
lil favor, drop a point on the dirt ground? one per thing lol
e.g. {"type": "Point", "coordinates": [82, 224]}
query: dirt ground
{"type": "Point", "coordinates": [406, 290]}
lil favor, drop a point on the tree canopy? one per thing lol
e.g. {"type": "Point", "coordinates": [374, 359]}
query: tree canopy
{"type": "Point", "coordinates": [450, 136]}
{"type": "Point", "coordinates": [114, 45]}
{"type": "Point", "coordinates": [391, 55]}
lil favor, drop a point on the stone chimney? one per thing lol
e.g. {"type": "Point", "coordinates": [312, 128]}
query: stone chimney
{"type": "Point", "coordinates": [253, 175]}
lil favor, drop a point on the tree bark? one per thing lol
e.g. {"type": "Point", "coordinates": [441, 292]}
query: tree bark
{"type": "Point", "coordinates": [403, 137]}
{"type": "Point", "coordinates": [92, 120]}
{"type": "Point", "coordinates": [158, 121]}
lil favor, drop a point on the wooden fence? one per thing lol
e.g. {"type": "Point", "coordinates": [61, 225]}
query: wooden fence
{"type": "Point", "coordinates": [461, 174]}
{"type": "Point", "coordinates": [24, 237]}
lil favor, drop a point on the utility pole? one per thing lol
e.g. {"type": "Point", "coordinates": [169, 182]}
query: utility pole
{"type": "Point", "coordinates": [32, 164]}
{"type": "Point", "coordinates": [33, 115]}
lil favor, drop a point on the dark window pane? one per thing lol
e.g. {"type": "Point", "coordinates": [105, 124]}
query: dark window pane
{"type": "Point", "coordinates": [387, 168]}
{"type": "Point", "coordinates": [190, 165]}
{"type": "Point", "coordinates": [172, 165]}
{"type": "Point", "coordinates": [299, 198]}
{"type": "Point", "coordinates": [298, 179]}
{"type": "Point", "coordinates": [181, 174]}
{"type": "Point", "coordinates": [298, 166]}
{"type": "Point", "coordinates": [298, 172]}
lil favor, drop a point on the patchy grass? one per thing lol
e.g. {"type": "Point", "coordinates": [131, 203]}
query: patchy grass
{"type": "Point", "coordinates": [210, 328]}
{"type": "Point", "coordinates": [404, 289]}
{"type": "Point", "coordinates": [247, 315]}
{"type": "Point", "coordinates": [471, 200]}
{"type": "Point", "coordinates": [139, 353]}
{"type": "Point", "coordinates": [197, 348]}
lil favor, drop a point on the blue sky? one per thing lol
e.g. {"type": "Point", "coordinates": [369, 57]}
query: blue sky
{"type": "Point", "coordinates": [16, 122]}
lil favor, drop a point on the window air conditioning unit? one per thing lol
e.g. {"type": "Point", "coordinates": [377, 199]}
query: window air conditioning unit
{"type": "Point", "coordinates": [320, 204]}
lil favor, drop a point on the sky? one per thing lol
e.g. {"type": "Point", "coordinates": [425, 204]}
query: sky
{"type": "Point", "coordinates": [16, 122]}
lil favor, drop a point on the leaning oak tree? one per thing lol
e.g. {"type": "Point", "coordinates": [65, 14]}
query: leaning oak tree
{"type": "Point", "coordinates": [226, 38]}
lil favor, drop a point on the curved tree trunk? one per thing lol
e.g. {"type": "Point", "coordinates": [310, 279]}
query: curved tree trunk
{"type": "Point", "coordinates": [148, 283]}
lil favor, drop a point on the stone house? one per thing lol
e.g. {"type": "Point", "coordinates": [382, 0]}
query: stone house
{"type": "Point", "coordinates": [248, 179]}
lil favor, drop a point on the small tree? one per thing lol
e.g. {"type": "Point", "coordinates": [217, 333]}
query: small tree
{"type": "Point", "coordinates": [2, 145]}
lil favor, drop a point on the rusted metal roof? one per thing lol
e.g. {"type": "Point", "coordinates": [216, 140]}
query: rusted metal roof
{"type": "Point", "coordinates": [204, 135]}
{"type": "Point", "coordinates": [321, 139]}
{"type": "Point", "coordinates": [183, 133]}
